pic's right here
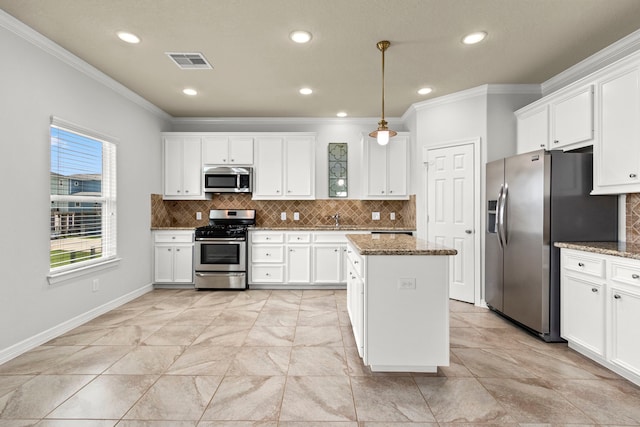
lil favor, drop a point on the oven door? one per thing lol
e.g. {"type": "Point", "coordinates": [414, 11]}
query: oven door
{"type": "Point", "coordinates": [221, 255]}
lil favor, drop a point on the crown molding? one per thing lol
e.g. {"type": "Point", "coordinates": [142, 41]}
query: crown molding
{"type": "Point", "coordinates": [360, 121]}
{"type": "Point", "coordinates": [610, 54]}
{"type": "Point", "coordinates": [483, 90]}
{"type": "Point", "coordinates": [30, 35]}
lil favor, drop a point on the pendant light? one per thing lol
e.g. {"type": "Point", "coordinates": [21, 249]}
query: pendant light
{"type": "Point", "coordinates": [383, 133]}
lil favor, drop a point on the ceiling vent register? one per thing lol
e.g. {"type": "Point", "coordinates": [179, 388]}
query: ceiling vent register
{"type": "Point", "coordinates": [189, 61]}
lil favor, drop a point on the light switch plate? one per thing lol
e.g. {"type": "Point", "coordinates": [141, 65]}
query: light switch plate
{"type": "Point", "coordinates": [283, 216]}
{"type": "Point", "coordinates": [392, 216]}
{"type": "Point", "coordinates": [198, 216]}
{"type": "Point", "coordinates": [296, 216]}
{"type": "Point", "coordinates": [375, 216]}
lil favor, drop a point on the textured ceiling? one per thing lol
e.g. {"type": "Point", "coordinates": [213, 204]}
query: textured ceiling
{"type": "Point", "coordinates": [258, 70]}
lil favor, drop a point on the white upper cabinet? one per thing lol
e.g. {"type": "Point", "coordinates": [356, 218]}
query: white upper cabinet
{"type": "Point", "coordinates": [182, 167]}
{"type": "Point", "coordinates": [572, 119]}
{"type": "Point", "coordinates": [533, 128]}
{"type": "Point", "coordinates": [285, 167]}
{"type": "Point", "coordinates": [617, 147]}
{"type": "Point", "coordinates": [227, 150]}
{"type": "Point", "coordinates": [386, 168]}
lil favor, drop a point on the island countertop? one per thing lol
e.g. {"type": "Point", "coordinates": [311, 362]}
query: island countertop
{"type": "Point", "coordinates": [621, 249]}
{"type": "Point", "coordinates": [396, 244]}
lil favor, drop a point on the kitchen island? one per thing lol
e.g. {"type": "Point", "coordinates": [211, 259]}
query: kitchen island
{"type": "Point", "coordinates": [398, 301]}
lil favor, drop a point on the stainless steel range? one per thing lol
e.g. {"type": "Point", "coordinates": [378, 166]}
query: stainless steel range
{"type": "Point", "coordinates": [221, 249]}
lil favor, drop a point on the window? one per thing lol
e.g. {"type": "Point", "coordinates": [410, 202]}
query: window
{"type": "Point", "coordinates": [83, 197]}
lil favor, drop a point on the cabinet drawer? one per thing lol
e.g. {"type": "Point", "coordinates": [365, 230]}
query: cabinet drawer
{"type": "Point", "coordinates": [298, 237]}
{"type": "Point", "coordinates": [584, 264]}
{"type": "Point", "coordinates": [267, 237]}
{"type": "Point", "coordinates": [186, 237]}
{"type": "Point", "coordinates": [267, 273]}
{"type": "Point", "coordinates": [356, 260]}
{"type": "Point", "coordinates": [625, 273]}
{"type": "Point", "coordinates": [267, 253]}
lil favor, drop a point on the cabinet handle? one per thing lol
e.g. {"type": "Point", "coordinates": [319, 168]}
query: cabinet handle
{"type": "Point", "coordinates": [224, 160]}
{"type": "Point", "coordinates": [635, 276]}
{"type": "Point", "coordinates": [580, 264]}
{"type": "Point", "coordinates": [186, 191]}
{"type": "Point", "coordinates": [268, 254]}
{"type": "Point", "coordinates": [355, 262]}
{"type": "Point", "coordinates": [633, 175]}
{"type": "Point", "coordinates": [177, 191]}
{"type": "Point", "coordinates": [298, 238]}
{"type": "Point", "coordinates": [288, 191]}
{"type": "Point", "coordinates": [267, 274]}
{"type": "Point", "coordinates": [594, 290]}
{"type": "Point", "coordinates": [335, 250]}
{"type": "Point", "coordinates": [382, 192]}
{"type": "Point", "coordinates": [616, 296]}
{"type": "Point", "coordinates": [555, 141]}
{"type": "Point", "coordinates": [233, 160]}
{"type": "Point", "coordinates": [542, 145]}
{"type": "Point", "coordinates": [267, 238]}
{"type": "Point", "coordinates": [390, 191]}
{"type": "Point", "coordinates": [169, 249]}
{"type": "Point", "coordinates": [173, 237]}
{"type": "Point", "coordinates": [291, 250]}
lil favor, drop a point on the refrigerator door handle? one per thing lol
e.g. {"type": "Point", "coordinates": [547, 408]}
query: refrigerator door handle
{"type": "Point", "coordinates": [498, 216]}
{"type": "Point", "coordinates": [504, 216]}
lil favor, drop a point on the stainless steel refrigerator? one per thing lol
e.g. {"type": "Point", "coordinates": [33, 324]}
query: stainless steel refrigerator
{"type": "Point", "coordinates": [534, 200]}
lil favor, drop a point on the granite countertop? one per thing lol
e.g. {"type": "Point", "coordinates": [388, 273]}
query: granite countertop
{"type": "Point", "coordinates": [621, 249]}
{"type": "Point", "coordinates": [396, 244]}
{"type": "Point", "coordinates": [333, 228]}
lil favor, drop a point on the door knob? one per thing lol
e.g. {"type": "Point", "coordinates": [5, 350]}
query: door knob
{"type": "Point", "coordinates": [468, 231]}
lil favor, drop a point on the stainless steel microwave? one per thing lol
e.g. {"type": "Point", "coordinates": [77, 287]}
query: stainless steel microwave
{"type": "Point", "coordinates": [222, 179]}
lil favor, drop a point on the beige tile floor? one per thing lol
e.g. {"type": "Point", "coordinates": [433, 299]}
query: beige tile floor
{"type": "Point", "coordinates": [267, 358]}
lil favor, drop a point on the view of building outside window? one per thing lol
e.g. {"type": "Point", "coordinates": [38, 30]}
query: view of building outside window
{"type": "Point", "coordinates": [77, 198]}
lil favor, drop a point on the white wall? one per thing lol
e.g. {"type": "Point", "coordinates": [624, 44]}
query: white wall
{"type": "Point", "coordinates": [35, 84]}
{"type": "Point", "coordinates": [327, 130]}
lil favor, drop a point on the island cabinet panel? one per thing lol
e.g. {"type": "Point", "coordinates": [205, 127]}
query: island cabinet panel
{"type": "Point", "coordinates": [406, 307]}
{"type": "Point", "coordinates": [399, 310]}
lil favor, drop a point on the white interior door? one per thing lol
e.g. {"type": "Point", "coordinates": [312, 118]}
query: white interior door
{"type": "Point", "coordinates": [451, 213]}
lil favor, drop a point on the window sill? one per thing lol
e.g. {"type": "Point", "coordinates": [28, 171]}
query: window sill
{"type": "Point", "coordinates": [63, 276]}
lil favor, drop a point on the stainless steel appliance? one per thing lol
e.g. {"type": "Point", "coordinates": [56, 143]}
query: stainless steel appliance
{"type": "Point", "coordinates": [221, 249]}
{"type": "Point", "coordinates": [222, 179]}
{"type": "Point", "coordinates": [534, 200]}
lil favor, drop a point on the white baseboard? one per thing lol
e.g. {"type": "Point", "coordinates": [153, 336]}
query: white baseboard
{"type": "Point", "coordinates": [64, 327]}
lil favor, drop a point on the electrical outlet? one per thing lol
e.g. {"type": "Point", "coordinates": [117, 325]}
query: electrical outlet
{"type": "Point", "coordinates": [375, 216]}
{"type": "Point", "coordinates": [283, 216]}
{"type": "Point", "coordinates": [198, 216]}
{"type": "Point", "coordinates": [392, 216]}
{"type": "Point", "coordinates": [296, 216]}
{"type": "Point", "coordinates": [406, 283]}
{"type": "Point", "coordinates": [95, 287]}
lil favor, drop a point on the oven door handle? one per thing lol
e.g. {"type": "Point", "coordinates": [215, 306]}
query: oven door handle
{"type": "Point", "coordinates": [220, 239]}
{"type": "Point", "coordinates": [229, 273]}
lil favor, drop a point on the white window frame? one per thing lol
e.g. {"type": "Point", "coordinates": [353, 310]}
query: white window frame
{"type": "Point", "coordinates": [107, 199]}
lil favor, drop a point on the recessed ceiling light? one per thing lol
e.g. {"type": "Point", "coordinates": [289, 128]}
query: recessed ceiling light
{"type": "Point", "coordinates": [474, 38]}
{"type": "Point", "coordinates": [128, 37]}
{"type": "Point", "coordinates": [306, 91]}
{"type": "Point", "coordinates": [300, 36]}
{"type": "Point", "coordinates": [341, 114]}
{"type": "Point", "coordinates": [190, 92]}
{"type": "Point", "coordinates": [425, 91]}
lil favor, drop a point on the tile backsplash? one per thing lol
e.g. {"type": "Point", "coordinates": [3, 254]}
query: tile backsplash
{"type": "Point", "coordinates": [633, 218]}
{"type": "Point", "coordinates": [182, 213]}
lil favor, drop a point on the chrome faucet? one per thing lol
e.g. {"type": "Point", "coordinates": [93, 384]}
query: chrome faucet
{"type": "Point", "coordinates": [337, 218]}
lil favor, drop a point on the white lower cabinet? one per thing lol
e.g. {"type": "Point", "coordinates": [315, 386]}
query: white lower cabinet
{"type": "Point", "coordinates": [583, 312]}
{"type": "Point", "coordinates": [355, 296]}
{"type": "Point", "coordinates": [173, 257]}
{"type": "Point", "coordinates": [298, 259]}
{"type": "Point", "coordinates": [600, 310]}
